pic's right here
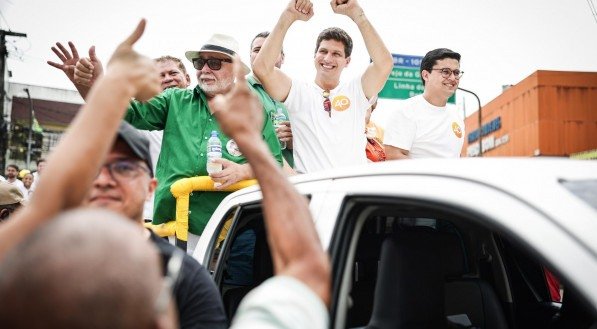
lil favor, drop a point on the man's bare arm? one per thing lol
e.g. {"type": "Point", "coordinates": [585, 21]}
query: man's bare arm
{"type": "Point", "coordinates": [294, 243]}
{"type": "Point", "coordinates": [395, 153]}
{"type": "Point", "coordinates": [75, 162]}
{"type": "Point", "coordinates": [381, 65]}
{"type": "Point", "coordinates": [276, 82]}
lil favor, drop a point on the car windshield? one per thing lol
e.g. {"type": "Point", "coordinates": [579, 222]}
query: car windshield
{"type": "Point", "coordinates": [585, 190]}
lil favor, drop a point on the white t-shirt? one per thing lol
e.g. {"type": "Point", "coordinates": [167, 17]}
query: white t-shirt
{"type": "Point", "coordinates": [155, 145]}
{"type": "Point", "coordinates": [322, 142]}
{"type": "Point", "coordinates": [281, 302]}
{"type": "Point", "coordinates": [35, 180]}
{"type": "Point", "coordinates": [18, 184]}
{"type": "Point", "coordinates": [425, 130]}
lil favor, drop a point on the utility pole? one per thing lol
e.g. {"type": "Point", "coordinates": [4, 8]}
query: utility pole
{"type": "Point", "coordinates": [30, 136]}
{"type": "Point", "coordinates": [3, 124]}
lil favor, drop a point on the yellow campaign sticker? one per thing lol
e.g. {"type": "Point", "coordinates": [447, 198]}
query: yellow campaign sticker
{"type": "Point", "coordinates": [456, 129]}
{"type": "Point", "coordinates": [340, 103]}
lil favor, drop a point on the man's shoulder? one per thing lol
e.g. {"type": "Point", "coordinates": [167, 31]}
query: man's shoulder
{"type": "Point", "coordinates": [408, 106]}
{"type": "Point", "coordinates": [167, 250]}
{"type": "Point", "coordinates": [253, 81]}
{"type": "Point", "coordinates": [18, 183]}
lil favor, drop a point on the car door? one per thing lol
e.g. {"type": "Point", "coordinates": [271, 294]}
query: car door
{"type": "Point", "coordinates": [474, 214]}
{"type": "Point", "coordinates": [234, 244]}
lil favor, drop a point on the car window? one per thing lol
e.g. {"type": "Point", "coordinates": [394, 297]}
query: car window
{"type": "Point", "coordinates": [218, 239]}
{"type": "Point", "coordinates": [586, 190]}
{"type": "Point", "coordinates": [402, 262]}
{"type": "Point", "coordinates": [241, 259]}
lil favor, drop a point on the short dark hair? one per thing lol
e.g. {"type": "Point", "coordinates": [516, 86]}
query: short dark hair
{"type": "Point", "coordinates": [13, 166]}
{"type": "Point", "coordinates": [435, 55]}
{"type": "Point", "coordinates": [40, 161]}
{"type": "Point", "coordinates": [338, 34]}
{"type": "Point", "coordinates": [176, 60]}
{"type": "Point", "coordinates": [264, 35]}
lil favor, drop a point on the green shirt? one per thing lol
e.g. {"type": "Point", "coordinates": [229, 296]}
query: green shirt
{"type": "Point", "coordinates": [184, 116]}
{"type": "Point", "coordinates": [271, 105]}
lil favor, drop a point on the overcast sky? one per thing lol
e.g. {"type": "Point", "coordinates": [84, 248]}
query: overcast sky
{"type": "Point", "coordinates": [501, 42]}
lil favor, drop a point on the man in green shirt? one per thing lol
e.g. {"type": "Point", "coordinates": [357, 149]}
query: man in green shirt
{"type": "Point", "coordinates": [186, 118]}
{"type": "Point", "coordinates": [284, 132]}
{"type": "Point", "coordinates": [187, 121]}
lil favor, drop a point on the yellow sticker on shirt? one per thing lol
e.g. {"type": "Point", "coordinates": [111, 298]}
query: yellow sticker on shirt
{"type": "Point", "coordinates": [340, 103]}
{"type": "Point", "coordinates": [456, 129]}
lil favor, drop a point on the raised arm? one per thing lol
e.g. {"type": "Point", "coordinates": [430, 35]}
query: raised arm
{"type": "Point", "coordinates": [292, 238]}
{"type": "Point", "coordinates": [75, 162]}
{"type": "Point", "coordinates": [69, 60]}
{"type": "Point", "coordinates": [377, 72]}
{"type": "Point", "coordinates": [276, 82]}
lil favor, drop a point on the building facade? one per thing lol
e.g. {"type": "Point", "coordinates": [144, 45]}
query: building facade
{"type": "Point", "coordinates": [549, 113]}
{"type": "Point", "coordinates": [46, 111]}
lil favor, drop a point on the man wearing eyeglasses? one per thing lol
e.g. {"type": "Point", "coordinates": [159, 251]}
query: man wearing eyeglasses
{"type": "Point", "coordinates": [328, 118]}
{"type": "Point", "coordinates": [187, 121]}
{"type": "Point", "coordinates": [424, 127]}
{"type": "Point", "coordinates": [123, 184]}
{"type": "Point", "coordinates": [173, 74]}
{"type": "Point", "coordinates": [81, 284]}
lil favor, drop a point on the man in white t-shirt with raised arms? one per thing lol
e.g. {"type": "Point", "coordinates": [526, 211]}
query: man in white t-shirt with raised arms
{"type": "Point", "coordinates": [424, 127]}
{"type": "Point", "coordinates": [328, 118]}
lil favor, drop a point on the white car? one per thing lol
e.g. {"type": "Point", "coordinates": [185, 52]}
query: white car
{"type": "Point", "coordinates": [463, 243]}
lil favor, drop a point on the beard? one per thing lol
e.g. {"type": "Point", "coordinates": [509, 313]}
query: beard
{"type": "Point", "coordinates": [219, 87]}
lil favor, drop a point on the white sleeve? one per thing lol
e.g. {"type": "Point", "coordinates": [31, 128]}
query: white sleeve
{"type": "Point", "coordinates": [362, 103]}
{"type": "Point", "coordinates": [400, 130]}
{"type": "Point", "coordinates": [293, 99]}
{"type": "Point", "coordinates": [281, 302]}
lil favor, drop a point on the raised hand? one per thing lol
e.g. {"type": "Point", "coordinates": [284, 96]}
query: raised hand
{"type": "Point", "coordinates": [350, 8]}
{"type": "Point", "coordinates": [301, 10]}
{"type": "Point", "coordinates": [87, 70]}
{"type": "Point", "coordinates": [239, 112]}
{"type": "Point", "coordinates": [69, 59]}
{"type": "Point", "coordinates": [140, 71]}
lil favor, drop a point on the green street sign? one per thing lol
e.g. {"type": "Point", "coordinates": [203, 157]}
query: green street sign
{"type": "Point", "coordinates": [405, 80]}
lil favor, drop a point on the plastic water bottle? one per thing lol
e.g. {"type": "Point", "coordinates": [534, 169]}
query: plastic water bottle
{"type": "Point", "coordinates": [279, 117]}
{"type": "Point", "coordinates": [214, 151]}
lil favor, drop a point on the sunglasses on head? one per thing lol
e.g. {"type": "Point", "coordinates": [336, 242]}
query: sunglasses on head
{"type": "Point", "coordinates": [213, 63]}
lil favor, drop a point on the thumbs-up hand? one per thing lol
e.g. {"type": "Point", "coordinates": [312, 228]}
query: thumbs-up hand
{"type": "Point", "coordinates": [141, 72]}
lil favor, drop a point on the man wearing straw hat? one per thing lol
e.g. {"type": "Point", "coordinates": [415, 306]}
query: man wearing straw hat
{"type": "Point", "coordinates": [187, 121]}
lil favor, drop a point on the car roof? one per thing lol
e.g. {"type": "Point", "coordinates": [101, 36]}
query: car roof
{"type": "Point", "coordinates": [508, 173]}
{"type": "Point", "coordinates": [537, 181]}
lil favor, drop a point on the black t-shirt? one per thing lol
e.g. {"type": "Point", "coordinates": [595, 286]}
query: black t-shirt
{"type": "Point", "coordinates": [197, 298]}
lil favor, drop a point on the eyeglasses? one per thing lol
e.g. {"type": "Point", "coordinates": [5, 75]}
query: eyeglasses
{"type": "Point", "coordinates": [213, 63]}
{"type": "Point", "coordinates": [124, 169]}
{"type": "Point", "coordinates": [327, 104]}
{"type": "Point", "coordinates": [446, 73]}
{"type": "Point", "coordinates": [170, 280]}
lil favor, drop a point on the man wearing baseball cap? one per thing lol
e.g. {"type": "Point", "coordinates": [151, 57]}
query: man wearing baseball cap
{"type": "Point", "coordinates": [122, 185]}
{"type": "Point", "coordinates": [10, 200]}
{"type": "Point", "coordinates": [187, 120]}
